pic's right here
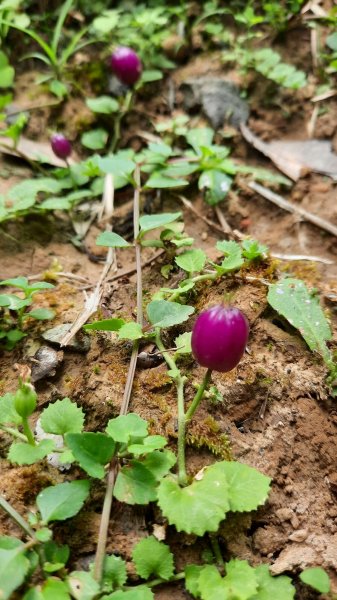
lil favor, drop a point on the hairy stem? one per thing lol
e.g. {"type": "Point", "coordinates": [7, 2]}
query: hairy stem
{"type": "Point", "coordinates": [16, 516]}
{"type": "Point", "coordinates": [14, 432]}
{"type": "Point", "coordinates": [28, 432]}
{"type": "Point", "coordinates": [180, 382]}
{"type": "Point", "coordinates": [198, 396]}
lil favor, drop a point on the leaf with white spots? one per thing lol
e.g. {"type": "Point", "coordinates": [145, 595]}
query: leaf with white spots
{"type": "Point", "coordinates": [300, 306]}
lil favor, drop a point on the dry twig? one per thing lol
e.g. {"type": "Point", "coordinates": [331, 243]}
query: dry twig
{"type": "Point", "coordinates": [292, 208]}
{"type": "Point", "coordinates": [92, 301]}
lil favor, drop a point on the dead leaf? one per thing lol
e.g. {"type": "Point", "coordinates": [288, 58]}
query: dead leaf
{"type": "Point", "coordinates": [296, 158]}
{"type": "Point", "coordinates": [34, 150]}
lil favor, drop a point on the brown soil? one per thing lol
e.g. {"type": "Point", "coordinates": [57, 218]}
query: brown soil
{"type": "Point", "coordinates": [277, 414]}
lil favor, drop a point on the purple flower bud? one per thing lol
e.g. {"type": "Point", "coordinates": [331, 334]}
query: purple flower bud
{"type": "Point", "coordinates": [60, 145]}
{"type": "Point", "coordinates": [219, 338]}
{"type": "Point", "coordinates": [126, 65]}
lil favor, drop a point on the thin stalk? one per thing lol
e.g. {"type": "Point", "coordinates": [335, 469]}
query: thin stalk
{"type": "Point", "coordinates": [16, 516]}
{"type": "Point", "coordinates": [206, 277]}
{"type": "Point", "coordinates": [182, 476]}
{"type": "Point", "coordinates": [216, 550]}
{"type": "Point", "coordinates": [198, 396]}
{"type": "Point", "coordinates": [118, 120]}
{"type": "Point", "coordinates": [28, 432]}
{"type": "Point", "coordinates": [135, 348]}
{"type": "Point", "coordinates": [71, 174]}
{"type": "Point", "coordinates": [104, 525]}
{"type": "Point", "coordinates": [180, 382]}
{"type": "Point", "coordinates": [159, 581]}
{"type": "Point", "coordinates": [14, 432]}
{"type": "Point", "coordinates": [112, 474]}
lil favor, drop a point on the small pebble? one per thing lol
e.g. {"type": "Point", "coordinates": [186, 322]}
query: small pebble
{"type": "Point", "coordinates": [299, 536]}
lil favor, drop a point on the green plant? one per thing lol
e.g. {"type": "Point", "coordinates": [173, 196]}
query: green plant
{"type": "Point", "coordinates": [144, 29]}
{"type": "Point", "coordinates": [10, 11]}
{"type": "Point", "coordinates": [144, 477]}
{"type": "Point", "coordinates": [6, 71]}
{"type": "Point", "coordinates": [267, 62]}
{"type": "Point", "coordinates": [291, 298]}
{"type": "Point", "coordinates": [51, 54]}
{"type": "Point", "coordinates": [13, 309]}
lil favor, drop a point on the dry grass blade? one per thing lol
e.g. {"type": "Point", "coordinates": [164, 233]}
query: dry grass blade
{"type": "Point", "coordinates": [286, 205]}
{"type": "Point", "coordinates": [92, 301]}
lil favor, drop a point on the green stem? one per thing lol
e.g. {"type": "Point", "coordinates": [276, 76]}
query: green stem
{"type": "Point", "coordinates": [28, 432]}
{"type": "Point", "coordinates": [180, 382]}
{"type": "Point", "coordinates": [71, 174]}
{"type": "Point", "coordinates": [182, 476]}
{"type": "Point", "coordinates": [21, 316]}
{"type": "Point", "coordinates": [159, 581]}
{"type": "Point", "coordinates": [216, 550]}
{"type": "Point", "coordinates": [14, 432]}
{"type": "Point", "coordinates": [206, 277]}
{"type": "Point", "coordinates": [118, 120]}
{"type": "Point", "coordinates": [16, 516]}
{"type": "Point", "coordinates": [198, 396]}
{"type": "Point", "coordinates": [113, 467]}
{"type": "Point", "coordinates": [105, 518]}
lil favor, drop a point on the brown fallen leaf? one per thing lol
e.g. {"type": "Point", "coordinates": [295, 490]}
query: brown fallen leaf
{"type": "Point", "coordinates": [33, 150]}
{"type": "Point", "coordinates": [296, 158]}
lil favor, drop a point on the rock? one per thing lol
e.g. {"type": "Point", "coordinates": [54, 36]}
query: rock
{"type": "Point", "coordinates": [299, 536]}
{"type": "Point", "coordinates": [219, 99]}
{"type": "Point", "coordinates": [80, 342]}
{"type": "Point", "coordinates": [54, 457]}
{"type": "Point", "coordinates": [294, 557]}
{"type": "Point", "coordinates": [284, 514]}
{"type": "Point", "coordinates": [44, 362]}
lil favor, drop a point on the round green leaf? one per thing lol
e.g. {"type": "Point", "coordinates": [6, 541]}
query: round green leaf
{"type": "Point", "coordinates": [140, 592]}
{"type": "Point", "coordinates": [198, 507]}
{"type": "Point", "coordinates": [247, 487]}
{"type": "Point", "coordinates": [26, 454]}
{"type": "Point", "coordinates": [148, 222]}
{"type": "Point", "coordinates": [317, 578]}
{"type": "Point", "coordinates": [125, 427]}
{"type": "Point", "coordinates": [163, 313]}
{"type": "Point", "coordinates": [111, 240]}
{"type": "Point", "coordinates": [92, 450]}
{"type": "Point", "coordinates": [94, 139]}
{"type": "Point", "coordinates": [191, 261]}
{"type": "Point", "coordinates": [62, 501]}
{"type": "Point", "coordinates": [277, 588]}
{"type": "Point", "coordinates": [62, 416]}
{"type": "Point", "coordinates": [152, 557]}
{"type": "Point", "coordinates": [103, 104]}
{"type": "Point", "coordinates": [135, 484]}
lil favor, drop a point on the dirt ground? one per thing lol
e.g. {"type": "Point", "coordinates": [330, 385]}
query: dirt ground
{"type": "Point", "coordinates": [277, 414]}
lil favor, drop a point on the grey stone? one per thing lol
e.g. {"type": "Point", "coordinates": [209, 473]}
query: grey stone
{"type": "Point", "coordinates": [80, 342]}
{"type": "Point", "coordinates": [219, 99]}
{"type": "Point", "coordinates": [45, 362]}
{"type": "Point", "coordinates": [116, 87]}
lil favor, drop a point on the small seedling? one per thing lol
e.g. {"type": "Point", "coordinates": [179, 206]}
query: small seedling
{"type": "Point", "coordinates": [13, 309]}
